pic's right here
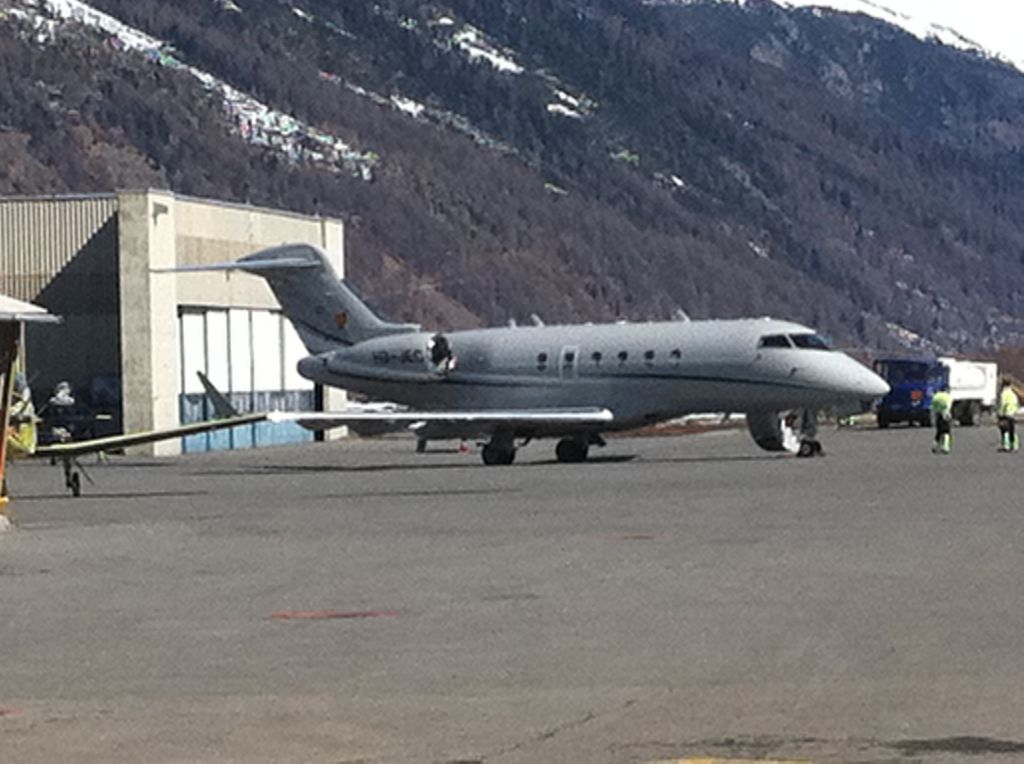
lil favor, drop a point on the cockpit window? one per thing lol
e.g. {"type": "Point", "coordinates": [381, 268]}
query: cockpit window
{"type": "Point", "coordinates": [774, 341]}
{"type": "Point", "coordinates": [810, 341]}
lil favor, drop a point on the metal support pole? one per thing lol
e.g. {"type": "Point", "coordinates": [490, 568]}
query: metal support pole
{"type": "Point", "coordinates": [10, 334]}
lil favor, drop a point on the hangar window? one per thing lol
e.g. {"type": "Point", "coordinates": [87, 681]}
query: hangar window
{"type": "Point", "coordinates": [623, 357]}
{"type": "Point", "coordinates": [774, 341]}
{"type": "Point", "coordinates": [810, 341]}
{"type": "Point", "coordinates": [542, 361]}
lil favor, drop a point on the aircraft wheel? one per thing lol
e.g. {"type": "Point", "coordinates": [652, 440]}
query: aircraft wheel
{"type": "Point", "coordinates": [494, 454]}
{"type": "Point", "coordinates": [809, 448]}
{"type": "Point", "coordinates": [571, 450]}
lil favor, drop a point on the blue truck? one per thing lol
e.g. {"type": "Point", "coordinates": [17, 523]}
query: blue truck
{"type": "Point", "coordinates": [913, 382]}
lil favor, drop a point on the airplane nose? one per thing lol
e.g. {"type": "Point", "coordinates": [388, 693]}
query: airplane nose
{"type": "Point", "coordinates": [879, 387]}
{"type": "Point", "coordinates": [866, 384]}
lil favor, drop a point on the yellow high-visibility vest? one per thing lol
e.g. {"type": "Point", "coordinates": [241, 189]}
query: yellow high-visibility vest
{"type": "Point", "coordinates": [942, 402]}
{"type": "Point", "coordinates": [1009, 403]}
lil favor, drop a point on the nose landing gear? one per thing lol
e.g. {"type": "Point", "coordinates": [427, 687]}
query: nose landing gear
{"type": "Point", "coordinates": [810, 448]}
{"type": "Point", "coordinates": [809, 444]}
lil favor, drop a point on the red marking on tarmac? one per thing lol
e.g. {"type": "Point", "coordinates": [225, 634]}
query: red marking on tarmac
{"type": "Point", "coordinates": [6, 711]}
{"type": "Point", "coordinates": [329, 615]}
{"type": "Point", "coordinates": [632, 536]}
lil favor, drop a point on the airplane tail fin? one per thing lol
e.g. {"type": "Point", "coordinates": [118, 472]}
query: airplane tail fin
{"type": "Point", "coordinates": [323, 308]}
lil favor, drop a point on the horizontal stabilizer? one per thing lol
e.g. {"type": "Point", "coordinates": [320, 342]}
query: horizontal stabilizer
{"type": "Point", "coordinates": [254, 266]}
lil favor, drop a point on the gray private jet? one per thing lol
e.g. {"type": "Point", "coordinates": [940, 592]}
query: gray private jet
{"type": "Point", "coordinates": [574, 382]}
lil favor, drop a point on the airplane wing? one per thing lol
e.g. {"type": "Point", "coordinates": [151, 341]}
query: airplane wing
{"type": "Point", "coordinates": [114, 442]}
{"type": "Point", "coordinates": [511, 418]}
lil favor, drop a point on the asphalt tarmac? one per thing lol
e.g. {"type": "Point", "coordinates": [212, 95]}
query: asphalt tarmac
{"type": "Point", "coordinates": [673, 599]}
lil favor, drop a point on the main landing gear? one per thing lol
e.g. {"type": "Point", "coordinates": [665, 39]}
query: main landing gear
{"type": "Point", "coordinates": [499, 450]}
{"type": "Point", "coordinates": [572, 450]}
{"type": "Point", "coordinates": [498, 454]}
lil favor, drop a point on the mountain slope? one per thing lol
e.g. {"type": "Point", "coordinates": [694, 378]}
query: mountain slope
{"type": "Point", "coordinates": [989, 27]}
{"type": "Point", "coordinates": [582, 160]}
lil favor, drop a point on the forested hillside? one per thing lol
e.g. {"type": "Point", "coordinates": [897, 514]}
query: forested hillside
{"type": "Point", "coordinates": [585, 160]}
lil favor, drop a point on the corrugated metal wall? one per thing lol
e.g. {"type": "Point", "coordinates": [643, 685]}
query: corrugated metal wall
{"type": "Point", "coordinates": [40, 236]}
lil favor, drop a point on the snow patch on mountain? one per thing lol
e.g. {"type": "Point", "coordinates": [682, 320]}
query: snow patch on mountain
{"type": "Point", "coordinates": [252, 120]}
{"type": "Point", "coordinates": [478, 47]}
{"type": "Point", "coordinates": [994, 28]}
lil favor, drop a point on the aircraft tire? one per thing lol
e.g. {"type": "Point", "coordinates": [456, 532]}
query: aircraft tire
{"type": "Point", "coordinates": [809, 448]}
{"type": "Point", "coordinates": [497, 455]}
{"type": "Point", "coordinates": [571, 450]}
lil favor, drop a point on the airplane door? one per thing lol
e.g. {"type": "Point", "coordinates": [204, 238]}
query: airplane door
{"type": "Point", "coordinates": [568, 366]}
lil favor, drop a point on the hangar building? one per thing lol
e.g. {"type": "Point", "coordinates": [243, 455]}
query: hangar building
{"type": "Point", "coordinates": [133, 338]}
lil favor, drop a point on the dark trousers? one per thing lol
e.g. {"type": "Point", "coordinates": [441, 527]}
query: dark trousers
{"type": "Point", "coordinates": [1008, 424]}
{"type": "Point", "coordinates": [943, 426]}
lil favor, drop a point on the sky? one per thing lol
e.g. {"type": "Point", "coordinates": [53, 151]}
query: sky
{"type": "Point", "coordinates": [995, 25]}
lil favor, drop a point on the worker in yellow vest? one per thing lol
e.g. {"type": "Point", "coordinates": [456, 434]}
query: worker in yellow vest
{"type": "Point", "coordinates": [942, 413]}
{"type": "Point", "coordinates": [1009, 405]}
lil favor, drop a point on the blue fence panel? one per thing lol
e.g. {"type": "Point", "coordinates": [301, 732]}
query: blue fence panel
{"type": "Point", "coordinates": [196, 407]}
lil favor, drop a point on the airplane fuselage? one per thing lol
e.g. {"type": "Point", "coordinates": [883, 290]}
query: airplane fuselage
{"type": "Point", "coordinates": [642, 372]}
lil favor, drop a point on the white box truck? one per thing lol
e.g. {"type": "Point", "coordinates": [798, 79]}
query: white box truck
{"type": "Point", "coordinates": [974, 386]}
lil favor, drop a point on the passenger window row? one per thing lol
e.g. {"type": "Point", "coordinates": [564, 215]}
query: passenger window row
{"type": "Point", "coordinates": [597, 357]}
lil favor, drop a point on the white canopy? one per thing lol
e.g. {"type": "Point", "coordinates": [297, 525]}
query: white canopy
{"type": "Point", "coordinates": [16, 310]}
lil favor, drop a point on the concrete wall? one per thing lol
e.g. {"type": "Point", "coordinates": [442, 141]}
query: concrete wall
{"type": "Point", "coordinates": [160, 230]}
